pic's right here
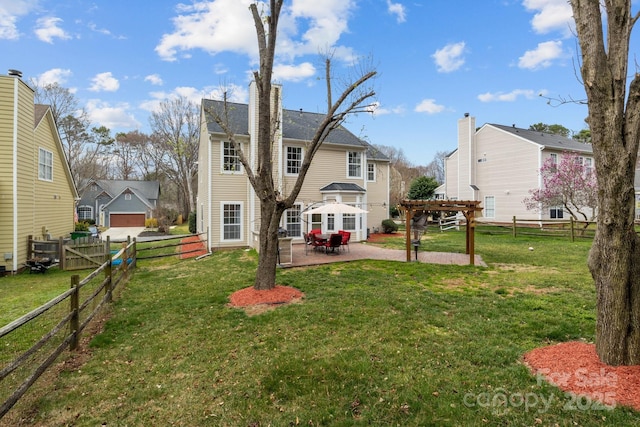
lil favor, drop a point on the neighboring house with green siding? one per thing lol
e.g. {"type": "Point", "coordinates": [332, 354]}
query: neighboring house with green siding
{"type": "Point", "coordinates": [345, 169]}
{"type": "Point", "coordinates": [37, 193]}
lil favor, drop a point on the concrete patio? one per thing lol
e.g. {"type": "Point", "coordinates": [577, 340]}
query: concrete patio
{"type": "Point", "coordinates": [357, 251]}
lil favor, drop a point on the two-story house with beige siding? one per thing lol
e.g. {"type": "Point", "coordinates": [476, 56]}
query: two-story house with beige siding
{"type": "Point", "coordinates": [498, 165]}
{"type": "Point", "coordinates": [37, 193]}
{"type": "Point", "coordinates": [345, 169]}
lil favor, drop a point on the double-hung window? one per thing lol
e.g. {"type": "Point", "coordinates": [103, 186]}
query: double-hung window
{"type": "Point", "coordinates": [230, 159]}
{"type": "Point", "coordinates": [294, 160]}
{"type": "Point", "coordinates": [354, 164]}
{"type": "Point", "coordinates": [45, 165]}
{"type": "Point", "coordinates": [349, 222]}
{"type": "Point", "coordinates": [371, 172]}
{"type": "Point", "coordinates": [489, 207]}
{"type": "Point", "coordinates": [231, 221]}
{"type": "Point", "coordinates": [293, 221]}
{"type": "Point", "coordinates": [85, 212]}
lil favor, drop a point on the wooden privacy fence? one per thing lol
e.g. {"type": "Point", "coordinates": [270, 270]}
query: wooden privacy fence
{"type": "Point", "coordinates": [79, 254]}
{"type": "Point", "coordinates": [26, 353]}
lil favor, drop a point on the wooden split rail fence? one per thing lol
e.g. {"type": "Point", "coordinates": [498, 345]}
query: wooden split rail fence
{"type": "Point", "coordinates": [27, 354]}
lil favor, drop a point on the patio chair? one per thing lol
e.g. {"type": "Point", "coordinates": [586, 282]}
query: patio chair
{"type": "Point", "coordinates": [316, 243]}
{"type": "Point", "coordinates": [334, 242]}
{"type": "Point", "coordinates": [346, 236]}
{"type": "Point", "coordinates": [307, 242]}
{"type": "Point", "coordinates": [315, 231]}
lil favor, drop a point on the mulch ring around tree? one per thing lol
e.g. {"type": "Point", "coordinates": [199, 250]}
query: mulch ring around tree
{"type": "Point", "coordinates": [192, 243]}
{"type": "Point", "coordinates": [575, 367]}
{"type": "Point", "coordinates": [254, 302]}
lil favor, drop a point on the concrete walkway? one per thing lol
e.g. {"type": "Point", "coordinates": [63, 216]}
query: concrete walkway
{"type": "Point", "coordinates": [364, 250]}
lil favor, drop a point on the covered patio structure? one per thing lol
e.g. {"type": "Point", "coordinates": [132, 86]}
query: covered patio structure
{"type": "Point", "coordinates": [467, 207]}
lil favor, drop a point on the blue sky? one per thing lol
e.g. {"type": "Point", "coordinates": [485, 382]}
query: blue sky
{"type": "Point", "coordinates": [437, 59]}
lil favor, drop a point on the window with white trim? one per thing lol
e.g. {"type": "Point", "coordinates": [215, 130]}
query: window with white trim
{"type": "Point", "coordinates": [127, 196]}
{"type": "Point", "coordinates": [354, 164]}
{"type": "Point", "coordinates": [45, 165]}
{"type": "Point", "coordinates": [349, 222]}
{"type": "Point", "coordinates": [294, 160]}
{"type": "Point", "coordinates": [489, 207]}
{"type": "Point", "coordinates": [371, 172]}
{"type": "Point", "coordinates": [231, 221]}
{"type": "Point", "coordinates": [293, 222]}
{"type": "Point", "coordinates": [230, 158]}
{"type": "Point", "coordinates": [331, 222]}
{"type": "Point", "coordinates": [556, 212]}
{"type": "Point", "coordinates": [316, 221]}
{"type": "Point", "coordinates": [85, 212]}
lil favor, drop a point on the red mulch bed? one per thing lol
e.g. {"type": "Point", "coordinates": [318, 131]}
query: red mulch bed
{"type": "Point", "coordinates": [278, 295]}
{"type": "Point", "coordinates": [575, 367]}
{"type": "Point", "coordinates": [192, 243]}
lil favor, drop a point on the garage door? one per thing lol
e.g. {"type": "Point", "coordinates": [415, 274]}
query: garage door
{"type": "Point", "coordinates": [126, 220]}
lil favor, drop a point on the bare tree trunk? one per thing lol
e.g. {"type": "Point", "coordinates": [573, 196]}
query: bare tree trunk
{"type": "Point", "coordinates": [615, 129]}
{"type": "Point", "coordinates": [270, 220]}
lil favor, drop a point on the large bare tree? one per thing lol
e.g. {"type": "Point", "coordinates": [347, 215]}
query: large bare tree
{"type": "Point", "coordinates": [273, 203]}
{"type": "Point", "coordinates": [177, 127]}
{"type": "Point", "coordinates": [614, 120]}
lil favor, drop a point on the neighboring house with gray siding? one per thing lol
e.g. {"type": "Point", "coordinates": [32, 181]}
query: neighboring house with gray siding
{"type": "Point", "coordinates": [345, 169]}
{"type": "Point", "coordinates": [118, 203]}
{"type": "Point", "coordinates": [498, 165]}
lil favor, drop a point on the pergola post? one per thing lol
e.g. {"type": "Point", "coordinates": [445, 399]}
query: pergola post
{"type": "Point", "coordinates": [407, 227]}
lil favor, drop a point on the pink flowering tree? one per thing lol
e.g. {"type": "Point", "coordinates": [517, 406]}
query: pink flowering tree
{"type": "Point", "coordinates": [570, 184]}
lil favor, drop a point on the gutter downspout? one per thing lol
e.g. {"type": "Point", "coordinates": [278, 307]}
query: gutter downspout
{"type": "Point", "coordinates": [471, 168]}
{"type": "Point", "coordinates": [15, 175]}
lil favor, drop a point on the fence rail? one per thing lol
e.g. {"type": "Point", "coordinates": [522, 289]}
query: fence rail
{"type": "Point", "coordinates": [159, 251]}
{"type": "Point", "coordinates": [570, 228]}
{"type": "Point", "coordinates": [25, 358]}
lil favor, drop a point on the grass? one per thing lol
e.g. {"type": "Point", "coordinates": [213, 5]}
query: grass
{"type": "Point", "coordinates": [373, 343]}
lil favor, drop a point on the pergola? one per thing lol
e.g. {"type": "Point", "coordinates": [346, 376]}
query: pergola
{"type": "Point", "coordinates": [467, 207]}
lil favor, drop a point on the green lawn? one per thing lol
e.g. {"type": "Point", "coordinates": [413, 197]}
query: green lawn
{"type": "Point", "coordinates": [372, 343]}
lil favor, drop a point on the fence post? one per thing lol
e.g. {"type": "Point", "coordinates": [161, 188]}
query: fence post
{"type": "Point", "coordinates": [514, 227]}
{"type": "Point", "coordinates": [108, 289]}
{"type": "Point", "coordinates": [573, 236]}
{"type": "Point", "coordinates": [75, 312]}
{"type": "Point", "coordinates": [29, 246]}
{"type": "Point", "coordinates": [61, 253]}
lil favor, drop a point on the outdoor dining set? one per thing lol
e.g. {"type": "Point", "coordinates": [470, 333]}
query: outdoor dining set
{"type": "Point", "coordinates": [329, 243]}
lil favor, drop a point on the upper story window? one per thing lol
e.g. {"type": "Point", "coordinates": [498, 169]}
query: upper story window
{"type": "Point", "coordinates": [371, 172]}
{"type": "Point", "coordinates": [588, 165]}
{"type": "Point", "coordinates": [45, 165]}
{"type": "Point", "coordinates": [294, 160]}
{"type": "Point", "coordinates": [127, 196]}
{"type": "Point", "coordinates": [230, 159]}
{"type": "Point", "coordinates": [354, 164]}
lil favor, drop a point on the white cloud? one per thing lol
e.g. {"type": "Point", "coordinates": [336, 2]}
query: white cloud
{"type": "Point", "coordinates": [47, 29]}
{"type": "Point", "coordinates": [551, 15]}
{"type": "Point", "coordinates": [398, 10]}
{"type": "Point", "coordinates": [10, 12]}
{"type": "Point", "coordinates": [377, 110]}
{"type": "Point", "coordinates": [293, 73]}
{"type": "Point", "coordinates": [449, 58]}
{"type": "Point", "coordinates": [235, 93]}
{"type": "Point", "coordinates": [542, 56]}
{"type": "Point", "coordinates": [154, 79]}
{"type": "Point", "coordinates": [227, 25]}
{"type": "Point", "coordinates": [104, 82]}
{"type": "Point", "coordinates": [429, 106]}
{"type": "Point", "coordinates": [215, 26]}
{"type": "Point", "coordinates": [508, 97]}
{"type": "Point", "coordinates": [54, 75]}
{"type": "Point", "coordinates": [112, 116]}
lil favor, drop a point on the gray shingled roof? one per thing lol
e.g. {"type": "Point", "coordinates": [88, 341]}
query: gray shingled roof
{"type": "Point", "coordinates": [148, 189]}
{"type": "Point", "coordinates": [342, 187]}
{"type": "Point", "coordinates": [39, 112]}
{"type": "Point", "coordinates": [548, 140]}
{"type": "Point", "coordinates": [299, 125]}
